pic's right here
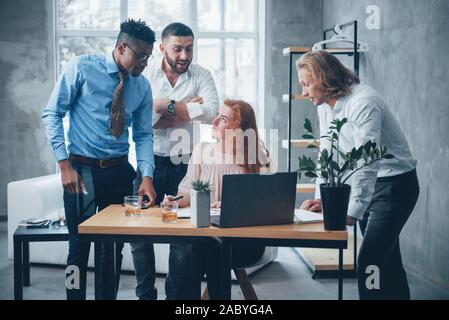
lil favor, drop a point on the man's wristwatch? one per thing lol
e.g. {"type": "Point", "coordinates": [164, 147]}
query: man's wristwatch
{"type": "Point", "coordinates": [171, 107]}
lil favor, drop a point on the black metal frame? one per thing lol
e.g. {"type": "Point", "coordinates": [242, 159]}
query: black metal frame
{"type": "Point", "coordinates": [226, 252]}
{"type": "Point", "coordinates": [356, 55]}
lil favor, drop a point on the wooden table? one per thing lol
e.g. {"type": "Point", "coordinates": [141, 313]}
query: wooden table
{"type": "Point", "coordinates": [111, 224]}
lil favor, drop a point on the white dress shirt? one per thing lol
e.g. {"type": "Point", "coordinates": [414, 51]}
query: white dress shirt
{"type": "Point", "coordinates": [196, 81]}
{"type": "Point", "coordinates": [369, 118]}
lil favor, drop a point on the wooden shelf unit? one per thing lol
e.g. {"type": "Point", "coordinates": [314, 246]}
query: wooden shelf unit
{"type": "Point", "coordinates": [319, 260]}
{"type": "Point", "coordinates": [300, 143]}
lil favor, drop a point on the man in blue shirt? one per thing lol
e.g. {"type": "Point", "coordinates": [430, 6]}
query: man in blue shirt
{"type": "Point", "coordinates": [104, 95]}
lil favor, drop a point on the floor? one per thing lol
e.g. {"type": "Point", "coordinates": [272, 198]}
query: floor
{"type": "Point", "coordinates": [287, 278]}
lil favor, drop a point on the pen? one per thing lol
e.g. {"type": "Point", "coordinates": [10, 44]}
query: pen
{"type": "Point", "coordinates": [177, 198]}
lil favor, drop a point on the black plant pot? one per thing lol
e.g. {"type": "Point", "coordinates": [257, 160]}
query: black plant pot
{"type": "Point", "coordinates": [334, 201]}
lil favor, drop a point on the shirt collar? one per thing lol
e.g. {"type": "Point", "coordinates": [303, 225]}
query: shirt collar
{"type": "Point", "coordinates": [338, 105]}
{"type": "Point", "coordinates": [111, 65]}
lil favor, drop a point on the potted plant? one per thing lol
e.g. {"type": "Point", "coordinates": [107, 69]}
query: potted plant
{"type": "Point", "coordinates": [200, 203]}
{"type": "Point", "coordinates": [335, 167]}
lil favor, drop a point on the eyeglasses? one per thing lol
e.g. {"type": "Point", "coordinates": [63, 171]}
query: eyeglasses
{"type": "Point", "coordinates": [141, 57]}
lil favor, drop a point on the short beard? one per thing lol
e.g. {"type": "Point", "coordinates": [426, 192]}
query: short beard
{"type": "Point", "coordinates": [172, 64]}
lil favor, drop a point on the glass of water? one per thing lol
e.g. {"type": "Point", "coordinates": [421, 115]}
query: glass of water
{"type": "Point", "coordinates": [133, 205]}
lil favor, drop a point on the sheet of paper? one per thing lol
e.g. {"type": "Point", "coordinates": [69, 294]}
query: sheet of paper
{"type": "Point", "coordinates": [185, 212]}
{"type": "Point", "coordinates": [305, 216]}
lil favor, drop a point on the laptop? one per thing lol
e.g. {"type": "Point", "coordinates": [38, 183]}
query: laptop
{"type": "Point", "coordinates": [257, 200]}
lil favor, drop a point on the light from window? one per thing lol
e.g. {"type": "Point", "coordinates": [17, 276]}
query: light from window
{"type": "Point", "coordinates": [229, 15]}
{"type": "Point", "coordinates": [69, 47]}
{"type": "Point", "coordinates": [89, 14]}
{"type": "Point", "coordinates": [159, 13]}
{"type": "Point", "coordinates": [232, 62]}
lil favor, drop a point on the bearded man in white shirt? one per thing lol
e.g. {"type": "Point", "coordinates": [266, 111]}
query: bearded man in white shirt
{"type": "Point", "coordinates": [184, 94]}
{"type": "Point", "coordinates": [384, 194]}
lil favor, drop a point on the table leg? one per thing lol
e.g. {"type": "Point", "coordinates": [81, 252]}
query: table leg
{"type": "Point", "coordinates": [225, 283]}
{"type": "Point", "coordinates": [26, 263]}
{"type": "Point", "coordinates": [117, 267]}
{"type": "Point", "coordinates": [97, 257]}
{"type": "Point", "coordinates": [355, 247]}
{"type": "Point", "coordinates": [340, 274]}
{"type": "Point", "coordinates": [197, 276]}
{"type": "Point", "coordinates": [18, 269]}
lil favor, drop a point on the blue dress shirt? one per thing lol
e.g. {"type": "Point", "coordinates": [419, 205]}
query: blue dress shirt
{"type": "Point", "coordinates": [85, 89]}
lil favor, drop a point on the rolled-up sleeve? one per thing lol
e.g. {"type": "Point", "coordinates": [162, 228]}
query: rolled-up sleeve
{"type": "Point", "coordinates": [143, 135]}
{"type": "Point", "coordinates": [206, 111]}
{"type": "Point", "coordinates": [61, 100]}
{"type": "Point", "coordinates": [366, 120]}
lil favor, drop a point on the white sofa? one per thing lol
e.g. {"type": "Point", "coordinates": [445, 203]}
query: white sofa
{"type": "Point", "coordinates": [41, 197]}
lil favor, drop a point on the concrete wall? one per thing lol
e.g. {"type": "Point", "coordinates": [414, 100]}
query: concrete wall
{"type": "Point", "coordinates": [26, 68]}
{"type": "Point", "coordinates": [407, 63]}
{"type": "Point", "coordinates": [289, 23]}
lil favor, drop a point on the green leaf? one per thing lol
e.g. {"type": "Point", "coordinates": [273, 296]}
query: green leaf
{"type": "Point", "coordinates": [311, 174]}
{"type": "Point", "coordinates": [367, 146]}
{"type": "Point", "coordinates": [324, 174]}
{"type": "Point", "coordinates": [312, 146]}
{"type": "Point", "coordinates": [308, 125]}
{"type": "Point", "coordinates": [308, 136]}
{"type": "Point", "coordinates": [306, 164]}
{"type": "Point", "coordinates": [325, 155]}
{"type": "Point", "coordinates": [334, 166]}
{"type": "Point", "coordinates": [389, 156]}
{"type": "Point", "coordinates": [365, 156]}
{"type": "Point", "coordinates": [353, 152]}
{"type": "Point", "coordinates": [344, 167]}
{"type": "Point", "coordinates": [335, 135]}
{"type": "Point", "coordinates": [377, 153]}
{"type": "Point", "coordinates": [200, 185]}
{"type": "Point", "coordinates": [358, 153]}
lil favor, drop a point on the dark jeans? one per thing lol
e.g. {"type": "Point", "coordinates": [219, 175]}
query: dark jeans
{"type": "Point", "coordinates": [392, 203]}
{"type": "Point", "coordinates": [180, 284]}
{"type": "Point", "coordinates": [104, 187]}
{"type": "Point", "coordinates": [166, 179]}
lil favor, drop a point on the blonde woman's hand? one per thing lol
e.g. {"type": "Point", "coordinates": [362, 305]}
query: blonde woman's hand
{"type": "Point", "coordinates": [311, 205]}
{"type": "Point", "coordinates": [350, 221]}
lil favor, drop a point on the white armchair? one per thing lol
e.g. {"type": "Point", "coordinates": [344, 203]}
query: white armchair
{"type": "Point", "coordinates": [41, 197]}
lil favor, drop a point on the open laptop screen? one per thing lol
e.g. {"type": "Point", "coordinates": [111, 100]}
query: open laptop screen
{"type": "Point", "coordinates": [258, 199]}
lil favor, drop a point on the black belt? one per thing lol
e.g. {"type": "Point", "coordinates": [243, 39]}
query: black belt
{"type": "Point", "coordinates": [101, 163]}
{"type": "Point", "coordinates": [168, 160]}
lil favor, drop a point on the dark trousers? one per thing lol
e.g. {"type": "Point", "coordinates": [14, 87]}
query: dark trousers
{"type": "Point", "coordinates": [180, 284]}
{"type": "Point", "coordinates": [166, 179]}
{"type": "Point", "coordinates": [392, 203]}
{"type": "Point", "coordinates": [104, 187]}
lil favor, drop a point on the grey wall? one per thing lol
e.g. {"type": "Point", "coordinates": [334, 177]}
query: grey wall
{"type": "Point", "coordinates": [26, 68]}
{"type": "Point", "coordinates": [288, 23]}
{"type": "Point", "coordinates": [407, 63]}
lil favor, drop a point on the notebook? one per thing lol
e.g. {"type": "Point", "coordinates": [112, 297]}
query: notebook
{"type": "Point", "coordinates": [305, 216]}
{"type": "Point", "coordinates": [185, 213]}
